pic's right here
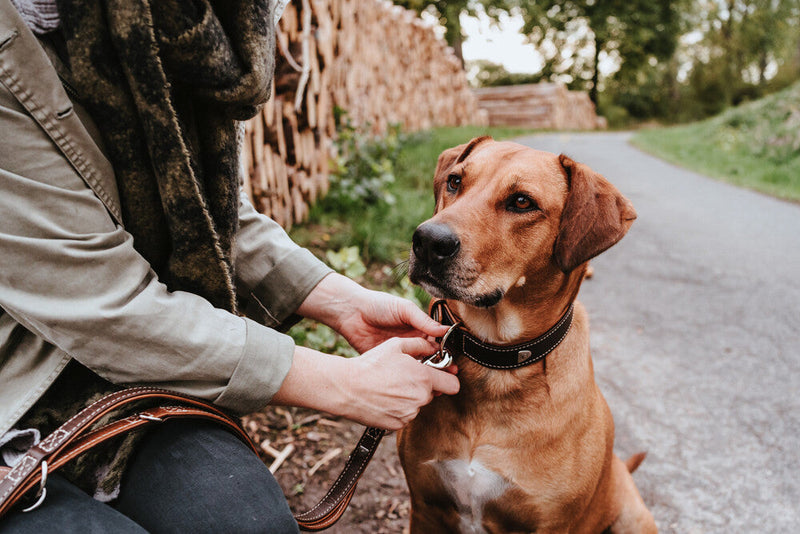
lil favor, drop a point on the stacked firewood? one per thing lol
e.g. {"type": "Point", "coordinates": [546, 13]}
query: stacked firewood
{"type": "Point", "coordinates": [541, 105]}
{"type": "Point", "coordinates": [377, 62]}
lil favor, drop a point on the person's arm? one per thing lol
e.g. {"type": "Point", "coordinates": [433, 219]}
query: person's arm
{"type": "Point", "coordinates": [71, 276]}
{"type": "Point", "coordinates": [276, 278]}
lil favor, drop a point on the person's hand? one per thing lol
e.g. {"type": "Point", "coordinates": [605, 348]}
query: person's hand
{"type": "Point", "coordinates": [388, 385]}
{"type": "Point", "coordinates": [366, 318]}
{"type": "Point", "coordinates": [385, 387]}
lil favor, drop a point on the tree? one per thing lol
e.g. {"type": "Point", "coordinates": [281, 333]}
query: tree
{"type": "Point", "coordinates": [574, 34]}
{"type": "Point", "coordinates": [745, 42]}
{"type": "Point", "coordinates": [449, 13]}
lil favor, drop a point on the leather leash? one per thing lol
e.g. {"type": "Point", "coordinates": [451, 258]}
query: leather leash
{"type": "Point", "coordinates": [335, 502]}
{"type": "Point", "coordinates": [76, 437]}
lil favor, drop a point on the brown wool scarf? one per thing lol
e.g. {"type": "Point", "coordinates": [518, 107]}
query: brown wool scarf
{"type": "Point", "coordinates": [166, 81]}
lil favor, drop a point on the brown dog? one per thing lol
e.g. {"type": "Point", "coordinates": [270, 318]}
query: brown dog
{"type": "Point", "coordinates": [525, 448]}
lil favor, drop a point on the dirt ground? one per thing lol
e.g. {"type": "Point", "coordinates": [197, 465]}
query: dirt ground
{"type": "Point", "coordinates": [318, 446]}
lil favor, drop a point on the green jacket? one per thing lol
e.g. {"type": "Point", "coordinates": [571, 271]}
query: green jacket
{"type": "Point", "coordinates": [72, 285]}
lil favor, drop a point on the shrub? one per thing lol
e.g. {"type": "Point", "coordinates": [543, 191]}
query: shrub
{"type": "Point", "coordinates": [364, 166]}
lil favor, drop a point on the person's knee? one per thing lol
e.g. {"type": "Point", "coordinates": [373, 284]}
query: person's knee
{"type": "Point", "coordinates": [191, 477]}
{"type": "Point", "coordinates": [67, 509]}
{"type": "Point", "coordinates": [251, 503]}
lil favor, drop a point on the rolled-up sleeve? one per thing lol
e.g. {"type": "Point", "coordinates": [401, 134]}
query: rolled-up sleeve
{"type": "Point", "coordinates": [69, 274]}
{"type": "Point", "coordinates": [274, 275]}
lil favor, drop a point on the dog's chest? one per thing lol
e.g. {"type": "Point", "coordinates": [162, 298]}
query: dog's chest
{"type": "Point", "coordinates": [471, 485]}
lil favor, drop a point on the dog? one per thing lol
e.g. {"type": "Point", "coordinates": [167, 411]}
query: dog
{"type": "Point", "coordinates": [526, 445]}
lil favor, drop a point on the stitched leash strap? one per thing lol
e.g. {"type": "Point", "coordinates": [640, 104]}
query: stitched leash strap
{"type": "Point", "coordinates": [75, 437]}
{"type": "Point", "coordinates": [335, 502]}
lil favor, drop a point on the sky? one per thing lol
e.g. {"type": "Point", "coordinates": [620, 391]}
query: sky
{"type": "Point", "coordinates": [499, 43]}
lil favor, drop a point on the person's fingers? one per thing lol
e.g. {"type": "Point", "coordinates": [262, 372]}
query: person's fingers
{"type": "Point", "coordinates": [415, 346]}
{"type": "Point", "coordinates": [444, 382]}
{"type": "Point", "coordinates": [413, 316]}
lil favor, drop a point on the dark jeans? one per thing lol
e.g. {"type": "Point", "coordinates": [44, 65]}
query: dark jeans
{"type": "Point", "coordinates": [187, 476]}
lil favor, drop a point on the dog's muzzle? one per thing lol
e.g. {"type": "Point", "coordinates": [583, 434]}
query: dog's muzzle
{"type": "Point", "coordinates": [434, 246]}
{"type": "Point", "coordinates": [434, 243]}
{"type": "Point", "coordinates": [437, 265]}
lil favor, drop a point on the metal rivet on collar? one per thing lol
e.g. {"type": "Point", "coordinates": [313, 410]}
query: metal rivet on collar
{"type": "Point", "coordinates": [523, 355]}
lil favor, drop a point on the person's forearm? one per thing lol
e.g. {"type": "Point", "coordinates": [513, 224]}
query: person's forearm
{"type": "Point", "coordinates": [316, 381]}
{"type": "Point", "coordinates": [385, 387]}
{"type": "Point", "coordinates": [331, 299]}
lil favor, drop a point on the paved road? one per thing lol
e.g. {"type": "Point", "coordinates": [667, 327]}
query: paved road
{"type": "Point", "coordinates": [696, 341]}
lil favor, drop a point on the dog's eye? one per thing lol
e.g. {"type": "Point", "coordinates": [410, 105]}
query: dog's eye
{"type": "Point", "coordinates": [453, 183]}
{"type": "Point", "coordinates": [520, 203]}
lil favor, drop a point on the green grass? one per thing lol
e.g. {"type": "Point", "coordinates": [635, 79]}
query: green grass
{"type": "Point", "coordinates": [383, 233]}
{"type": "Point", "coordinates": [755, 145]}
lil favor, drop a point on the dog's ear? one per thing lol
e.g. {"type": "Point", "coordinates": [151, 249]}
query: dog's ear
{"type": "Point", "coordinates": [450, 158]}
{"type": "Point", "coordinates": [594, 218]}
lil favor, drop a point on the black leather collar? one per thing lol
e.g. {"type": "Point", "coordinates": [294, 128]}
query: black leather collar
{"type": "Point", "coordinates": [460, 341]}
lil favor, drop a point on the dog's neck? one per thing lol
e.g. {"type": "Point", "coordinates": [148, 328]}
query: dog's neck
{"type": "Point", "coordinates": [525, 312]}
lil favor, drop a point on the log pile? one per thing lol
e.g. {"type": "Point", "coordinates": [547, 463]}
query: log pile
{"type": "Point", "coordinates": [541, 106]}
{"type": "Point", "coordinates": [378, 62]}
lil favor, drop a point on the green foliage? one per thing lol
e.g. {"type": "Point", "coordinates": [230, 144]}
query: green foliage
{"type": "Point", "coordinates": [401, 285]}
{"type": "Point", "coordinates": [347, 261]}
{"type": "Point", "coordinates": [364, 166]}
{"type": "Point", "coordinates": [740, 42]}
{"type": "Point", "coordinates": [617, 115]}
{"type": "Point", "coordinates": [736, 48]}
{"type": "Point", "coordinates": [755, 145]}
{"type": "Point", "coordinates": [319, 337]}
{"type": "Point", "coordinates": [573, 34]}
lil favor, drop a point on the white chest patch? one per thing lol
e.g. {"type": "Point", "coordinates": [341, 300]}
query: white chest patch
{"type": "Point", "coordinates": [471, 485]}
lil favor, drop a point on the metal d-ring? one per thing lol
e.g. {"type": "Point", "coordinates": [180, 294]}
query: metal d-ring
{"type": "Point", "coordinates": [442, 355]}
{"type": "Point", "coordinates": [42, 490]}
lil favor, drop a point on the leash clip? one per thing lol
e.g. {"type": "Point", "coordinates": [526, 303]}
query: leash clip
{"type": "Point", "coordinates": [441, 358]}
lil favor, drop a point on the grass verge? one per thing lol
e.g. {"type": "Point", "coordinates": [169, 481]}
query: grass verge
{"type": "Point", "coordinates": [755, 145]}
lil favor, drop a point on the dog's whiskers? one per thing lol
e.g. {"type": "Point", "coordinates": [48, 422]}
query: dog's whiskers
{"type": "Point", "coordinates": [400, 270]}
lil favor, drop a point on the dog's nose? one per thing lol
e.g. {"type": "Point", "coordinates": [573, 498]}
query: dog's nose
{"type": "Point", "coordinates": [434, 242]}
